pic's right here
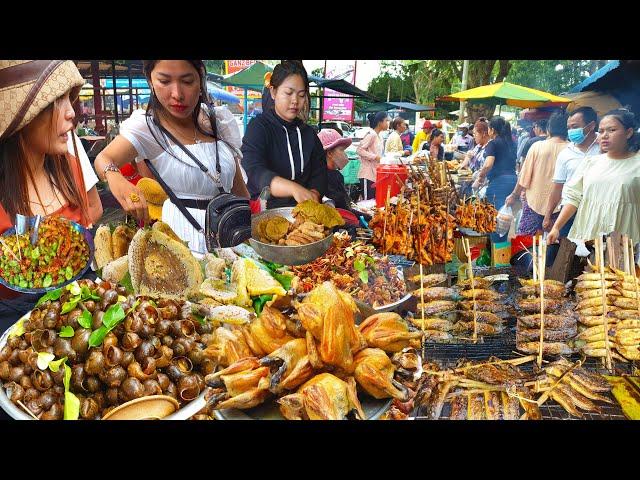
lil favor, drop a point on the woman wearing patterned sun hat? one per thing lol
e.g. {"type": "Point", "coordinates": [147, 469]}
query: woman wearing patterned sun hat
{"type": "Point", "coordinates": [39, 175]}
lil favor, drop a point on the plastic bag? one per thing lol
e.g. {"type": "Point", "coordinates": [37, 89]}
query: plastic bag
{"type": "Point", "coordinates": [503, 220]}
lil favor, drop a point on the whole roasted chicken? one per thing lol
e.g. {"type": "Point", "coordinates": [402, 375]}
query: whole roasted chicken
{"type": "Point", "coordinates": [374, 373]}
{"type": "Point", "coordinates": [324, 397]}
{"type": "Point", "coordinates": [289, 366]}
{"type": "Point", "coordinates": [242, 385]}
{"type": "Point", "coordinates": [387, 331]}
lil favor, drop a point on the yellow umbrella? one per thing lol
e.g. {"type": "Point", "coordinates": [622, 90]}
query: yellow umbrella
{"type": "Point", "coordinates": [505, 93]}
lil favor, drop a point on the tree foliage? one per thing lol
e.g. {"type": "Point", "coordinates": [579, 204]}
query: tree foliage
{"type": "Point", "coordinates": [554, 76]}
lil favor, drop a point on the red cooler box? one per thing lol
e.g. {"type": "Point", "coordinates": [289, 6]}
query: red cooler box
{"type": "Point", "coordinates": [392, 176]}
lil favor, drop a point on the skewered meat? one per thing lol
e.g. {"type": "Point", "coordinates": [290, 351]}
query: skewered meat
{"type": "Point", "coordinates": [430, 279]}
{"type": "Point", "coordinates": [550, 348]}
{"type": "Point", "coordinates": [484, 317]}
{"type": "Point", "coordinates": [435, 293]}
{"type": "Point", "coordinates": [590, 311]}
{"type": "Point", "coordinates": [475, 408]}
{"type": "Point", "coordinates": [437, 336]}
{"type": "Point", "coordinates": [436, 306]}
{"type": "Point", "coordinates": [374, 373]}
{"type": "Point", "coordinates": [478, 215]}
{"type": "Point", "coordinates": [596, 277]}
{"type": "Point", "coordinates": [525, 282]}
{"type": "Point", "coordinates": [478, 282]}
{"type": "Point", "coordinates": [388, 331]}
{"type": "Point", "coordinates": [533, 304]}
{"type": "Point", "coordinates": [481, 294]}
{"type": "Point", "coordinates": [597, 292]}
{"type": "Point", "coordinates": [493, 373]}
{"type": "Point", "coordinates": [528, 335]}
{"type": "Point", "coordinates": [592, 284]}
{"type": "Point", "coordinates": [432, 323]}
{"type": "Point", "coordinates": [550, 290]}
{"type": "Point", "coordinates": [576, 384]}
{"type": "Point", "coordinates": [551, 321]}
{"type": "Point", "coordinates": [481, 328]}
{"type": "Point", "coordinates": [483, 306]}
{"type": "Point", "coordinates": [459, 407]}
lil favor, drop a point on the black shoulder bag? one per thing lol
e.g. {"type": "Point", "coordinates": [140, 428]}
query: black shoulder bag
{"type": "Point", "coordinates": [227, 218]}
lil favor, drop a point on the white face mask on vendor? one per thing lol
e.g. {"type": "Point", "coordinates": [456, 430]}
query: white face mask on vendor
{"type": "Point", "coordinates": [338, 157]}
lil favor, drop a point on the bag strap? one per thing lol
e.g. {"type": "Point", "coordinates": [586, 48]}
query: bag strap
{"type": "Point", "coordinates": [176, 201]}
{"type": "Point", "coordinates": [202, 167]}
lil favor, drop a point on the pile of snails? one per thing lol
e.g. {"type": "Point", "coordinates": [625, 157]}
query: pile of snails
{"type": "Point", "coordinates": [156, 350]}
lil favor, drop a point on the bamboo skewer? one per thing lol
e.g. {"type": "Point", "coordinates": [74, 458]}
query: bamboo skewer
{"type": "Point", "coordinates": [625, 253]}
{"type": "Point", "coordinates": [546, 394]}
{"type": "Point", "coordinates": [541, 272]}
{"type": "Point", "coordinates": [534, 259]}
{"type": "Point", "coordinates": [600, 257]}
{"type": "Point", "coordinates": [467, 252]}
{"type": "Point", "coordinates": [632, 269]}
{"type": "Point", "coordinates": [24, 407]}
{"type": "Point", "coordinates": [9, 250]}
{"type": "Point", "coordinates": [419, 257]}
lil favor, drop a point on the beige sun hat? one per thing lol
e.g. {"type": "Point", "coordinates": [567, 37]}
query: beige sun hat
{"type": "Point", "coordinates": [27, 87]}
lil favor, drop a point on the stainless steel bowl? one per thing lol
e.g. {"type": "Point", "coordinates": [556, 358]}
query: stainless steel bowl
{"type": "Point", "coordinates": [285, 254]}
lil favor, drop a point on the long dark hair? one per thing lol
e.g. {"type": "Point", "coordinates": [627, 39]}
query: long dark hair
{"type": "Point", "coordinates": [16, 174]}
{"type": "Point", "coordinates": [155, 106]}
{"type": "Point", "coordinates": [628, 120]}
{"type": "Point", "coordinates": [285, 69]}
{"type": "Point", "coordinates": [503, 129]}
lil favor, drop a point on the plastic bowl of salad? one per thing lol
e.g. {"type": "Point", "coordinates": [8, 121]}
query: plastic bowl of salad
{"type": "Point", "coordinates": [63, 253]}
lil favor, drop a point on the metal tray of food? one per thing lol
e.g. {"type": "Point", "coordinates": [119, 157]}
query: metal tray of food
{"type": "Point", "coordinates": [286, 254]}
{"type": "Point", "coordinates": [36, 291]}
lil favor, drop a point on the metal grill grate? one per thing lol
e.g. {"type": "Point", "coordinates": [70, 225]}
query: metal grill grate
{"type": "Point", "coordinates": [504, 347]}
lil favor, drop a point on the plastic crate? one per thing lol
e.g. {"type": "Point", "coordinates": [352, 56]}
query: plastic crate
{"type": "Point", "coordinates": [350, 172]}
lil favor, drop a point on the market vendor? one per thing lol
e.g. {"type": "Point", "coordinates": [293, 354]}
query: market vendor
{"type": "Point", "coordinates": [282, 155]}
{"type": "Point", "coordinates": [499, 166]}
{"type": "Point", "coordinates": [39, 175]}
{"type": "Point", "coordinates": [474, 159]}
{"type": "Point", "coordinates": [423, 135]}
{"type": "Point", "coordinates": [462, 139]}
{"type": "Point", "coordinates": [604, 193]}
{"type": "Point", "coordinates": [370, 152]}
{"type": "Point", "coordinates": [394, 143]}
{"type": "Point", "coordinates": [436, 144]}
{"type": "Point", "coordinates": [179, 117]}
{"type": "Point", "coordinates": [334, 146]}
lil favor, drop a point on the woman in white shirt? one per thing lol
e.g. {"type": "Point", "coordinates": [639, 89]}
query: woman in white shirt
{"type": "Point", "coordinates": [394, 142]}
{"type": "Point", "coordinates": [178, 104]}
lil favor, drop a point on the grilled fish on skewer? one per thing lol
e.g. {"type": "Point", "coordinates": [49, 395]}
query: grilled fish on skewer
{"type": "Point", "coordinates": [594, 381]}
{"type": "Point", "coordinates": [590, 311]}
{"type": "Point", "coordinates": [493, 373]}
{"type": "Point", "coordinates": [435, 293]}
{"type": "Point", "coordinates": [478, 282]}
{"type": "Point", "coordinates": [550, 290]}
{"type": "Point", "coordinates": [551, 348]}
{"type": "Point", "coordinates": [459, 407]}
{"type": "Point", "coordinates": [481, 294]}
{"type": "Point", "coordinates": [436, 306]}
{"type": "Point", "coordinates": [481, 328]}
{"type": "Point", "coordinates": [438, 398]}
{"type": "Point", "coordinates": [592, 284]}
{"type": "Point", "coordinates": [525, 282]}
{"type": "Point", "coordinates": [590, 302]}
{"type": "Point", "coordinates": [510, 407]}
{"type": "Point", "coordinates": [632, 323]}
{"type": "Point", "coordinates": [528, 335]}
{"type": "Point", "coordinates": [624, 314]}
{"type": "Point", "coordinates": [484, 317]}
{"type": "Point", "coordinates": [432, 323]}
{"type": "Point", "coordinates": [597, 292]}
{"type": "Point", "coordinates": [431, 279]}
{"type": "Point", "coordinates": [533, 304]}
{"type": "Point", "coordinates": [483, 306]}
{"type": "Point", "coordinates": [596, 277]}
{"type": "Point", "coordinates": [632, 353]}
{"type": "Point", "coordinates": [626, 303]}
{"type": "Point", "coordinates": [475, 407]}
{"type": "Point", "coordinates": [531, 409]}
{"type": "Point", "coordinates": [578, 399]}
{"type": "Point", "coordinates": [594, 320]}
{"type": "Point", "coordinates": [492, 405]}
{"type": "Point", "coordinates": [437, 335]}
{"type": "Point", "coordinates": [565, 402]}
{"type": "Point", "coordinates": [572, 381]}
{"type": "Point", "coordinates": [551, 321]}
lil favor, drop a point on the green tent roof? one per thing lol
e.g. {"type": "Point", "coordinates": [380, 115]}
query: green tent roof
{"type": "Point", "coordinates": [251, 77]}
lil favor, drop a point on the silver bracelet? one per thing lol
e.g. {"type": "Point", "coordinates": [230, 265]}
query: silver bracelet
{"type": "Point", "coordinates": [112, 167]}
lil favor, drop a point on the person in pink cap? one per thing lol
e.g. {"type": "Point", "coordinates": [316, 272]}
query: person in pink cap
{"type": "Point", "coordinates": [334, 146]}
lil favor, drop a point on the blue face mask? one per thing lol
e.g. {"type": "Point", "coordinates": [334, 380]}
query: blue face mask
{"type": "Point", "coordinates": [576, 135]}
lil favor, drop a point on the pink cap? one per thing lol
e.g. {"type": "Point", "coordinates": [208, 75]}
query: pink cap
{"type": "Point", "coordinates": [332, 139]}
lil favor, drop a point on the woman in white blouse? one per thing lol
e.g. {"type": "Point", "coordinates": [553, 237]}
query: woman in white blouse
{"type": "Point", "coordinates": [178, 104]}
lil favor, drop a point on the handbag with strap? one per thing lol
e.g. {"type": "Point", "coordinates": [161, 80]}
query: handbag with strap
{"type": "Point", "coordinates": [228, 216]}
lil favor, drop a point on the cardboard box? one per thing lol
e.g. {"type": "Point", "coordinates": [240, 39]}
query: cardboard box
{"type": "Point", "coordinates": [501, 254]}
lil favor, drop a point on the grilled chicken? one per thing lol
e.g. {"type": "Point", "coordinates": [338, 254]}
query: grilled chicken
{"type": "Point", "coordinates": [481, 294]}
{"type": "Point", "coordinates": [228, 346]}
{"type": "Point", "coordinates": [374, 373]}
{"type": "Point", "coordinates": [289, 366]}
{"type": "Point", "coordinates": [388, 331]}
{"type": "Point", "coordinates": [243, 384]}
{"type": "Point", "coordinates": [269, 331]}
{"type": "Point", "coordinates": [432, 323]}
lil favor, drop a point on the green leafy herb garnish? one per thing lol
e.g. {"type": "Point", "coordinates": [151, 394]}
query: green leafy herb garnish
{"type": "Point", "coordinates": [18, 329]}
{"type": "Point", "coordinates": [202, 320]}
{"type": "Point", "coordinates": [74, 288]}
{"type": "Point", "coordinates": [126, 283]}
{"type": "Point", "coordinates": [70, 305]}
{"type": "Point", "coordinates": [54, 366]}
{"type": "Point", "coordinates": [52, 295]}
{"type": "Point", "coordinates": [259, 302]}
{"type": "Point", "coordinates": [43, 359]}
{"type": "Point", "coordinates": [66, 332]}
{"type": "Point", "coordinates": [71, 402]}
{"type": "Point", "coordinates": [112, 317]}
{"type": "Point", "coordinates": [85, 320]}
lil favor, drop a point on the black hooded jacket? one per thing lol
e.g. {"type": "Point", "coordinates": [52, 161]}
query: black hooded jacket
{"type": "Point", "coordinates": [271, 147]}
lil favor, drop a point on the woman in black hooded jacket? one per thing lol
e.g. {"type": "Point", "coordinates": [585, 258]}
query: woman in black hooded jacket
{"type": "Point", "coordinates": [280, 151]}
